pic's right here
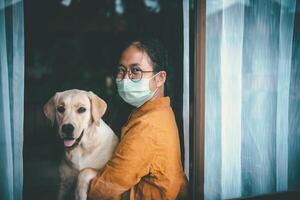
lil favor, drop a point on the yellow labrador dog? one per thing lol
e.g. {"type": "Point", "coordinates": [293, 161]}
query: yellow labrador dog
{"type": "Point", "coordinates": [89, 142]}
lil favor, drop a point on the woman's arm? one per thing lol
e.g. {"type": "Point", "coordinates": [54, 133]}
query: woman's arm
{"type": "Point", "coordinates": [129, 164]}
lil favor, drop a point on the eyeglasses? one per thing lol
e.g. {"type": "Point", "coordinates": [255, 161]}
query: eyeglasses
{"type": "Point", "coordinates": [135, 73]}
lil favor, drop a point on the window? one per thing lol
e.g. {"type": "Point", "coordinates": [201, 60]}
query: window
{"type": "Point", "coordinates": [76, 44]}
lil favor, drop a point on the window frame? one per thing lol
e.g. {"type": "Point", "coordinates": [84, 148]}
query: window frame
{"type": "Point", "coordinates": [197, 94]}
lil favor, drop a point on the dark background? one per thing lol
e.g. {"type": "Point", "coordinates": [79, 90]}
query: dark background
{"type": "Point", "coordinates": [77, 46]}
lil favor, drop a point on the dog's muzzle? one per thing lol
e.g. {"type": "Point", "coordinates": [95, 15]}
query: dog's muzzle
{"type": "Point", "coordinates": [71, 144]}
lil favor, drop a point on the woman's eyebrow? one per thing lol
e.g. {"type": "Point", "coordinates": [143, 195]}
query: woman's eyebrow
{"type": "Point", "coordinates": [131, 65]}
{"type": "Point", "coordinates": [121, 65]}
{"type": "Point", "coordinates": [134, 64]}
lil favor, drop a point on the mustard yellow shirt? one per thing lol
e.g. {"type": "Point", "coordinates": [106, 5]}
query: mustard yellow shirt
{"type": "Point", "coordinates": [147, 163]}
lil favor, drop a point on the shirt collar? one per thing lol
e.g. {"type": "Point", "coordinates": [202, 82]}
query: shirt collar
{"type": "Point", "coordinates": [151, 105]}
{"type": "Point", "coordinates": [154, 104]}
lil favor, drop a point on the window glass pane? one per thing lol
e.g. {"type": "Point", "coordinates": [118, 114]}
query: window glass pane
{"type": "Point", "coordinates": [76, 44]}
{"type": "Point", "coordinates": [252, 137]}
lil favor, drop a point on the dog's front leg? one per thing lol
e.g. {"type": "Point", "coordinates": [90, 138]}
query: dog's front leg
{"type": "Point", "coordinates": [65, 188]}
{"type": "Point", "coordinates": [83, 181]}
{"type": "Point", "coordinates": [67, 181]}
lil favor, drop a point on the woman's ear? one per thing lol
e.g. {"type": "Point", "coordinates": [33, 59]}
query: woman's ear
{"type": "Point", "coordinates": [161, 78]}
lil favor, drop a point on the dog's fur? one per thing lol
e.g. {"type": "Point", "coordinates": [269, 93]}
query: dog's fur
{"type": "Point", "coordinates": [94, 140]}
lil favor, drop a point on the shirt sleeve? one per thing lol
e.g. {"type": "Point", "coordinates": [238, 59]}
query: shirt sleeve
{"type": "Point", "coordinates": [131, 161]}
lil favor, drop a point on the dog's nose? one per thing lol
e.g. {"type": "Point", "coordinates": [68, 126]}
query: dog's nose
{"type": "Point", "coordinates": [67, 129]}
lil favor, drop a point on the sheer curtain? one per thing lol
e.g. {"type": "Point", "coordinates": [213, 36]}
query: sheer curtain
{"type": "Point", "coordinates": [186, 85]}
{"type": "Point", "coordinates": [11, 99]}
{"type": "Point", "coordinates": [252, 116]}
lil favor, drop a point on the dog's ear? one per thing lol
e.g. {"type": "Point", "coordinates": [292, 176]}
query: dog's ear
{"type": "Point", "coordinates": [49, 109]}
{"type": "Point", "coordinates": [98, 106]}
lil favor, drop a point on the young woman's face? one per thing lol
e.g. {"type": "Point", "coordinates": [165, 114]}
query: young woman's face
{"type": "Point", "coordinates": [133, 56]}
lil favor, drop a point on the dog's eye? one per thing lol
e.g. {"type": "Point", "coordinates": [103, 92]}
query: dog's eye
{"type": "Point", "coordinates": [81, 110]}
{"type": "Point", "coordinates": [60, 109]}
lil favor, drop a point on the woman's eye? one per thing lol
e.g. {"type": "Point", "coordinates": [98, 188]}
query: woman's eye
{"type": "Point", "coordinates": [121, 70]}
{"type": "Point", "coordinates": [61, 109]}
{"type": "Point", "coordinates": [135, 70]}
{"type": "Point", "coordinates": [81, 110]}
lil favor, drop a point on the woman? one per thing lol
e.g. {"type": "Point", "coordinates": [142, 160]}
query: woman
{"type": "Point", "coordinates": [146, 164]}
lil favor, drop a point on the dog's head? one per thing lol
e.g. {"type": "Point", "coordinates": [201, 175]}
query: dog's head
{"type": "Point", "coordinates": [74, 111]}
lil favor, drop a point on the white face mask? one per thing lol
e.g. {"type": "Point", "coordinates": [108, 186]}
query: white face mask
{"type": "Point", "coordinates": [135, 93]}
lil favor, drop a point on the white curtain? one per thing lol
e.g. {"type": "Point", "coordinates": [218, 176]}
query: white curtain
{"type": "Point", "coordinates": [186, 86]}
{"type": "Point", "coordinates": [11, 99]}
{"type": "Point", "coordinates": [252, 112]}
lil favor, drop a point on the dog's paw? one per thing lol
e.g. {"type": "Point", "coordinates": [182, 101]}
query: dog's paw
{"type": "Point", "coordinates": [83, 181]}
{"type": "Point", "coordinates": [80, 193]}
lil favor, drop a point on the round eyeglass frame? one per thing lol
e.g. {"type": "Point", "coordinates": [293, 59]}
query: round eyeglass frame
{"type": "Point", "coordinates": [130, 73]}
